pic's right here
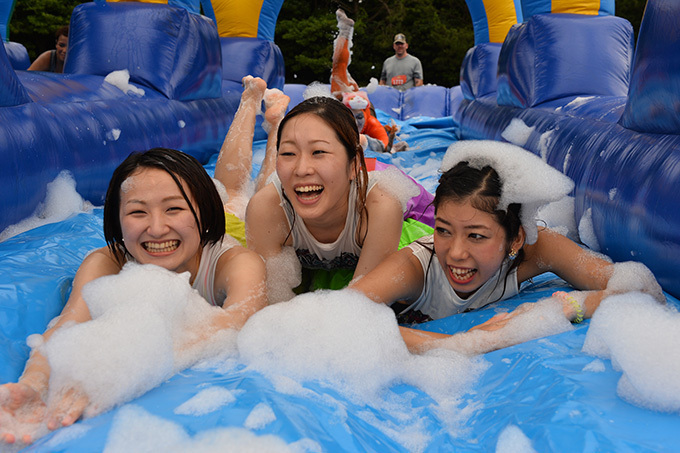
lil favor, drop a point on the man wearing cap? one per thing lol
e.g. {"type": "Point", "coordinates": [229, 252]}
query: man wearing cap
{"type": "Point", "coordinates": [401, 71]}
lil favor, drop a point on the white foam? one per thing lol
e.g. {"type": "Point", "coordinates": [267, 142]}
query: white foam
{"type": "Point", "coordinates": [134, 429]}
{"type": "Point", "coordinates": [372, 85]}
{"type": "Point", "coordinates": [259, 417]}
{"type": "Point", "coordinates": [596, 366]}
{"type": "Point", "coordinates": [586, 231]}
{"type": "Point", "coordinates": [120, 79]}
{"type": "Point", "coordinates": [206, 401]}
{"type": "Point", "coordinates": [113, 134]}
{"type": "Point", "coordinates": [559, 216]}
{"type": "Point", "coordinates": [315, 89]}
{"type": "Point", "coordinates": [525, 178]}
{"type": "Point", "coordinates": [344, 341]}
{"type": "Point", "coordinates": [61, 202]}
{"type": "Point", "coordinates": [397, 184]}
{"type": "Point", "coordinates": [633, 276]}
{"type": "Point", "coordinates": [146, 325]}
{"type": "Point", "coordinates": [578, 101]}
{"type": "Point", "coordinates": [642, 339]}
{"type": "Point", "coordinates": [284, 273]}
{"type": "Point", "coordinates": [530, 321]}
{"type": "Point", "coordinates": [513, 440]}
{"type": "Point", "coordinates": [517, 132]}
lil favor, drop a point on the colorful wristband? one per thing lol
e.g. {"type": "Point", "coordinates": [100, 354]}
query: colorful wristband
{"type": "Point", "coordinates": [573, 302]}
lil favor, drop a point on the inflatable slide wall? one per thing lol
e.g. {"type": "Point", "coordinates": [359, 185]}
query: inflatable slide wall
{"type": "Point", "coordinates": [173, 81]}
{"type": "Point", "coordinates": [595, 106]}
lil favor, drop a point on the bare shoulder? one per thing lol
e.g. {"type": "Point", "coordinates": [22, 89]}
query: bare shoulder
{"type": "Point", "coordinates": [42, 63]}
{"type": "Point", "coordinates": [381, 200]}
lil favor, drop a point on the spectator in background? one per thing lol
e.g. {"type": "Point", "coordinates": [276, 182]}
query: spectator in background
{"type": "Point", "coordinates": [401, 71]}
{"type": "Point", "coordinates": [53, 60]}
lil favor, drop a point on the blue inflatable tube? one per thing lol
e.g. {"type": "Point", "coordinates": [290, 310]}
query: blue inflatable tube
{"type": "Point", "coordinates": [78, 122]}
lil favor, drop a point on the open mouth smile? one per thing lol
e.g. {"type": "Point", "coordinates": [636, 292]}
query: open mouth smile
{"type": "Point", "coordinates": [161, 247]}
{"type": "Point", "coordinates": [309, 192]}
{"type": "Point", "coordinates": [461, 275]}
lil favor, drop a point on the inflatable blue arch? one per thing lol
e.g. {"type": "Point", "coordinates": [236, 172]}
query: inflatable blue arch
{"type": "Point", "coordinates": [598, 107]}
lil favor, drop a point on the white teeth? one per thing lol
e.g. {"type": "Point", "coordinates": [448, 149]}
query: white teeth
{"type": "Point", "coordinates": [308, 188]}
{"type": "Point", "coordinates": [157, 247]}
{"type": "Point", "coordinates": [461, 274]}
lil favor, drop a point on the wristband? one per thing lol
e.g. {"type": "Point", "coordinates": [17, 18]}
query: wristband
{"type": "Point", "coordinates": [573, 302]}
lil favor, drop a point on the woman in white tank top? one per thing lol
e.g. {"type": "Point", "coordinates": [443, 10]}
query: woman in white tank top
{"type": "Point", "coordinates": [486, 242]}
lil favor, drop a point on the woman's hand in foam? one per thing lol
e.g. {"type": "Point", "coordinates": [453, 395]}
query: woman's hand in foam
{"type": "Point", "coordinates": [22, 413]}
{"type": "Point", "coordinates": [500, 320]}
{"type": "Point", "coordinates": [67, 408]}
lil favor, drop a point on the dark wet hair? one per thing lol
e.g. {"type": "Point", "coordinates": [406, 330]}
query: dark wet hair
{"type": "Point", "coordinates": [61, 31]}
{"type": "Point", "coordinates": [341, 119]}
{"type": "Point", "coordinates": [183, 168]}
{"type": "Point", "coordinates": [482, 188]}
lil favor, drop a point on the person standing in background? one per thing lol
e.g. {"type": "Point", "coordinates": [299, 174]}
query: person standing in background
{"type": "Point", "coordinates": [402, 70]}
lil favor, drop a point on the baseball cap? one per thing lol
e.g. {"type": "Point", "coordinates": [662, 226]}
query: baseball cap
{"type": "Point", "coordinates": [399, 37]}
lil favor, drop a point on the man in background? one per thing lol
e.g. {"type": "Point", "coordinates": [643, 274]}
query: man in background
{"type": "Point", "coordinates": [402, 70]}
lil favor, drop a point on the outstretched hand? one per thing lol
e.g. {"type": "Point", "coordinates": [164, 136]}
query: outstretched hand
{"type": "Point", "coordinates": [67, 408]}
{"type": "Point", "coordinates": [22, 413]}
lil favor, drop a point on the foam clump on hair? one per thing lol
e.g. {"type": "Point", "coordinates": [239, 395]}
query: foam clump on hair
{"type": "Point", "coordinates": [396, 183]}
{"type": "Point", "coordinates": [145, 327]}
{"type": "Point", "coordinates": [642, 339]}
{"type": "Point", "coordinates": [524, 177]}
{"type": "Point", "coordinates": [317, 89]}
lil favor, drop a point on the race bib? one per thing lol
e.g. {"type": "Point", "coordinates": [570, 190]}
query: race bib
{"type": "Point", "coordinates": [398, 80]}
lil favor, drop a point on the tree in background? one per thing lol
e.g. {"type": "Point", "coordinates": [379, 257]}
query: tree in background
{"type": "Point", "coordinates": [439, 33]}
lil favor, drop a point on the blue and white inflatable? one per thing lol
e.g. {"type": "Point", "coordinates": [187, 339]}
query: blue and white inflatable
{"type": "Point", "coordinates": [572, 88]}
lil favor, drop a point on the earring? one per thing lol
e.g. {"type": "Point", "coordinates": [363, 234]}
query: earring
{"type": "Point", "coordinates": [512, 255]}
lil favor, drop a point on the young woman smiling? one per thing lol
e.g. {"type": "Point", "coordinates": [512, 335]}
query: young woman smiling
{"type": "Point", "coordinates": [161, 208]}
{"type": "Point", "coordinates": [321, 202]}
{"type": "Point", "coordinates": [486, 243]}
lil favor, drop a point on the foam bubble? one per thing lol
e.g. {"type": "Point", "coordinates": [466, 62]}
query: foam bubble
{"type": "Point", "coordinates": [642, 339]}
{"type": "Point", "coordinates": [513, 440]}
{"type": "Point", "coordinates": [397, 184]}
{"type": "Point", "coordinates": [517, 132]}
{"type": "Point", "coordinates": [206, 401]}
{"type": "Point", "coordinates": [147, 324]}
{"type": "Point", "coordinates": [343, 340]}
{"type": "Point", "coordinates": [134, 429]}
{"type": "Point", "coordinates": [259, 417]}
{"type": "Point", "coordinates": [61, 202]}
{"type": "Point", "coordinates": [120, 79]}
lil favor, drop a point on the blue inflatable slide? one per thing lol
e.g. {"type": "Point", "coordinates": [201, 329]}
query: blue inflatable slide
{"type": "Point", "coordinates": [567, 83]}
